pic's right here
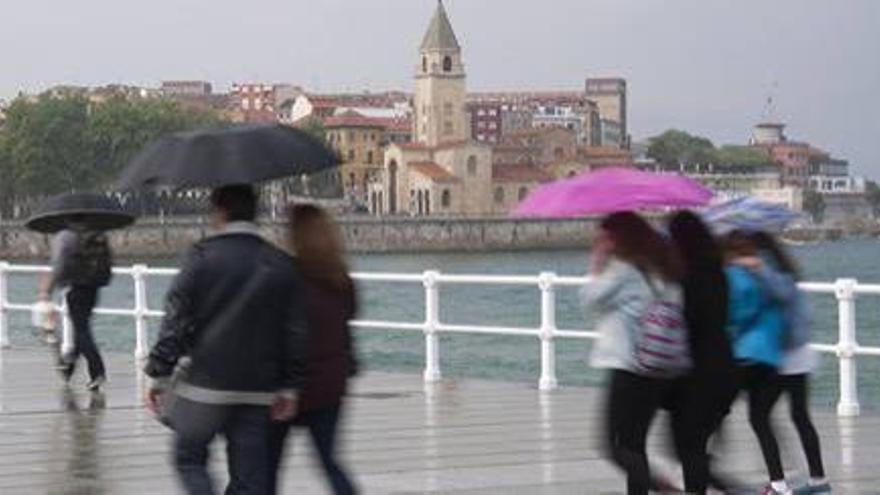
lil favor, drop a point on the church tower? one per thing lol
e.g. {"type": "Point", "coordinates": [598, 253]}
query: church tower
{"type": "Point", "coordinates": [440, 115]}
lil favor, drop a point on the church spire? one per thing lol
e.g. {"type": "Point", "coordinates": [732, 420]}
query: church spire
{"type": "Point", "coordinates": [440, 36]}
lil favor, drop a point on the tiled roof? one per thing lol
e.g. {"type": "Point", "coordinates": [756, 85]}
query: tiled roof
{"type": "Point", "coordinates": [433, 171]}
{"type": "Point", "coordinates": [519, 172]}
{"type": "Point", "coordinates": [354, 120]}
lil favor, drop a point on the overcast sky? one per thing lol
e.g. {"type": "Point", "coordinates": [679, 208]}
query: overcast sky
{"type": "Point", "coordinates": [706, 66]}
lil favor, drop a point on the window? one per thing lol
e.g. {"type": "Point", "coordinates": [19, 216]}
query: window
{"type": "Point", "coordinates": [523, 192]}
{"type": "Point", "coordinates": [425, 64]}
{"type": "Point", "coordinates": [447, 64]}
{"type": "Point", "coordinates": [493, 125]}
{"type": "Point", "coordinates": [481, 124]}
{"type": "Point", "coordinates": [481, 112]}
{"type": "Point", "coordinates": [448, 128]}
{"type": "Point", "coordinates": [493, 112]}
{"type": "Point", "coordinates": [350, 136]}
{"type": "Point", "coordinates": [351, 179]}
{"type": "Point", "coordinates": [446, 198]}
{"type": "Point", "coordinates": [447, 108]}
{"type": "Point", "coordinates": [558, 153]}
{"type": "Point", "coordinates": [351, 155]}
{"type": "Point", "coordinates": [499, 195]}
{"type": "Point", "coordinates": [370, 157]}
{"type": "Point", "coordinates": [472, 166]}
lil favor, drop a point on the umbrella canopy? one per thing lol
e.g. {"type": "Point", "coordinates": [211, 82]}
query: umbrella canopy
{"type": "Point", "coordinates": [92, 211]}
{"type": "Point", "coordinates": [747, 213]}
{"type": "Point", "coordinates": [240, 154]}
{"type": "Point", "coordinates": [610, 190]}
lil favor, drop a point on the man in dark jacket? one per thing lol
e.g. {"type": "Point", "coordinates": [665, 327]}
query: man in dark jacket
{"type": "Point", "coordinates": [233, 338]}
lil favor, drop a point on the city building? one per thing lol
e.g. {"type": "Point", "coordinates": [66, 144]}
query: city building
{"type": "Point", "coordinates": [360, 141]}
{"type": "Point", "coordinates": [610, 95]}
{"type": "Point", "coordinates": [186, 89]}
{"type": "Point", "coordinates": [253, 102]}
{"type": "Point", "coordinates": [487, 124]}
{"type": "Point", "coordinates": [443, 171]}
{"type": "Point", "coordinates": [512, 183]}
{"type": "Point", "coordinates": [391, 104]}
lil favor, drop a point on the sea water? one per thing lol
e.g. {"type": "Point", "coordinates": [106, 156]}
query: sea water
{"type": "Point", "coordinates": [509, 357]}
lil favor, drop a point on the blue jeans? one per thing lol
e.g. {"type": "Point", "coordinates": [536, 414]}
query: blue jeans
{"type": "Point", "coordinates": [246, 430]}
{"type": "Point", "coordinates": [322, 425]}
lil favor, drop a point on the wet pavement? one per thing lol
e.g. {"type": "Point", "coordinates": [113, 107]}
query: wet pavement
{"type": "Point", "coordinates": [468, 437]}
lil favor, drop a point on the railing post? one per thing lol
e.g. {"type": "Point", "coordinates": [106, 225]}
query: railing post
{"type": "Point", "coordinates": [4, 300]}
{"type": "Point", "coordinates": [138, 274]}
{"type": "Point", "coordinates": [846, 347]}
{"type": "Point", "coordinates": [432, 321]}
{"type": "Point", "coordinates": [548, 330]}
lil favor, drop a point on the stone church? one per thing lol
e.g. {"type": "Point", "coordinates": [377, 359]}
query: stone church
{"type": "Point", "coordinates": [443, 171]}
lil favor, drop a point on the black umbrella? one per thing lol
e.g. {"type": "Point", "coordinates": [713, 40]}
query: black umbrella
{"type": "Point", "coordinates": [92, 211]}
{"type": "Point", "coordinates": [241, 154]}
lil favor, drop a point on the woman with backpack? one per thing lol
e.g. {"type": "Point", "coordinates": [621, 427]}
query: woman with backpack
{"type": "Point", "coordinates": [634, 286]}
{"type": "Point", "coordinates": [756, 325]}
{"type": "Point", "coordinates": [798, 360]}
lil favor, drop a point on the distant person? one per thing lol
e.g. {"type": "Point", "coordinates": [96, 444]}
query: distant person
{"type": "Point", "coordinates": [798, 360]}
{"type": "Point", "coordinates": [331, 302]}
{"type": "Point", "coordinates": [701, 400]}
{"type": "Point", "coordinates": [233, 338]}
{"type": "Point", "coordinates": [756, 325]}
{"type": "Point", "coordinates": [82, 263]}
{"type": "Point", "coordinates": [633, 268]}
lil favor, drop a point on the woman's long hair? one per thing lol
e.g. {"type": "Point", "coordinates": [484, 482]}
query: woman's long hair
{"type": "Point", "coordinates": [318, 247]}
{"type": "Point", "coordinates": [637, 243]}
{"type": "Point", "coordinates": [696, 246]}
{"type": "Point", "coordinates": [769, 245]}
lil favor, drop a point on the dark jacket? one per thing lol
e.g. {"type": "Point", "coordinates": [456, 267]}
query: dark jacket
{"type": "Point", "coordinates": [235, 310]}
{"type": "Point", "coordinates": [331, 359]}
{"type": "Point", "coordinates": [706, 315]}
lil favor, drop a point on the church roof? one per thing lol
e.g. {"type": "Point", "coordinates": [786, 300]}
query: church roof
{"type": "Point", "coordinates": [433, 171]}
{"type": "Point", "coordinates": [440, 36]}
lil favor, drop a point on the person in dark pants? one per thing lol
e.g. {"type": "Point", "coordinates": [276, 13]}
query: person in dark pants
{"type": "Point", "coordinates": [81, 302]}
{"type": "Point", "coordinates": [331, 302]}
{"type": "Point", "coordinates": [632, 267]}
{"type": "Point", "coordinates": [699, 402]}
{"type": "Point", "coordinates": [756, 326]}
{"type": "Point", "coordinates": [234, 338]}
{"type": "Point", "coordinates": [799, 359]}
{"type": "Point", "coordinates": [81, 265]}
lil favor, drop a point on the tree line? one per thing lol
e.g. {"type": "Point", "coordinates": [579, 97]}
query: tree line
{"type": "Point", "coordinates": [53, 143]}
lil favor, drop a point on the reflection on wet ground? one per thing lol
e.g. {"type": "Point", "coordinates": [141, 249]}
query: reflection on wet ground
{"type": "Point", "coordinates": [75, 438]}
{"type": "Point", "coordinates": [468, 437]}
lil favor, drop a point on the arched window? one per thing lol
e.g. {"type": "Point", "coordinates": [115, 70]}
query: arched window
{"type": "Point", "coordinates": [446, 198]}
{"type": "Point", "coordinates": [558, 153]}
{"type": "Point", "coordinates": [523, 192]}
{"type": "Point", "coordinates": [370, 157]}
{"type": "Point", "coordinates": [571, 173]}
{"type": "Point", "coordinates": [499, 195]}
{"type": "Point", "coordinates": [472, 165]}
{"type": "Point", "coordinates": [425, 64]}
{"type": "Point", "coordinates": [447, 64]}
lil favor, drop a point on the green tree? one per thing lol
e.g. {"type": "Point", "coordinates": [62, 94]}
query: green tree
{"type": "Point", "coordinates": [741, 156]}
{"type": "Point", "coordinates": [54, 144]}
{"type": "Point", "coordinates": [674, 148]}
{"type": "Point", "coordinates": [315, 128]}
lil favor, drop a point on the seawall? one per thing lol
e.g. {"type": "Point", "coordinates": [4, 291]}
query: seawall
{"type": "Point", "coordinates": [362, 235]}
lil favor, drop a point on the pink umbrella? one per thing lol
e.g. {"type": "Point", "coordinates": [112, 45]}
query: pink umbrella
{"type": "Point", "coordinates": [610, 190]}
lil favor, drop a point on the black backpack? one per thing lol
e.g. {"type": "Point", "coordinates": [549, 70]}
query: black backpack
{"type": "Point", "coordinates": [91, 262]}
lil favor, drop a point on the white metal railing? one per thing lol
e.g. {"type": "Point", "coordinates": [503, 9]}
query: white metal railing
{"type": "Point", "coordinates": [844, 290]}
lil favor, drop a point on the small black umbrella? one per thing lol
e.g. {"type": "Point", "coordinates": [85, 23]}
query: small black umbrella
{"type": "Point", "coordinates": [92, 211]}
{"type": "Point", "coordinates": [240, 154]}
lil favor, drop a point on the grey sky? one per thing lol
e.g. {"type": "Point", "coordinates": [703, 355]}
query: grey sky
{"type": "Point", "coordinates": [702, 65]}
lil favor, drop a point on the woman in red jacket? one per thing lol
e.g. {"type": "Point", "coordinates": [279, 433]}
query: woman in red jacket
{"type": "Point", "coordinates": [330, 302]}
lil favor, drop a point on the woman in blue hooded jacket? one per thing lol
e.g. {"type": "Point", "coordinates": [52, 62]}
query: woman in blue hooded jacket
{"type": "Point", "coordinates": [756, 324]}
